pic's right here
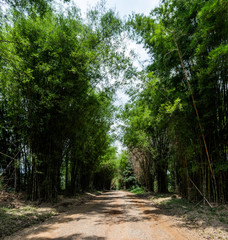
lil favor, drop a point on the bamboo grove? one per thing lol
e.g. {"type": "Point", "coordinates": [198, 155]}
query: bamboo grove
{"type": "Point", "coordinates": [55, 102]}
{"type": "Point", "coordinates": [56, 99]}
{"type": "Point", "coordinates": [176, 128]}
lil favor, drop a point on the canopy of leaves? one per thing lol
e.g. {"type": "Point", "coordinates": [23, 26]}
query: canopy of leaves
{"type": "Point", "coordinates": [161, 126]}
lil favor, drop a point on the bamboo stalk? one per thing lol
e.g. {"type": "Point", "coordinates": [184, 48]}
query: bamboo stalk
{"type": "Point", "coordinates": [196, 110]}
{"type": "Point", "coordinates": [13, 159]}
{"type": "Point", "coordinates": [200, 192]}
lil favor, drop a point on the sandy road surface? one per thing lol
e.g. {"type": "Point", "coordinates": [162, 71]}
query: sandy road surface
{"type": "Point", "coordinates": [115, 215]}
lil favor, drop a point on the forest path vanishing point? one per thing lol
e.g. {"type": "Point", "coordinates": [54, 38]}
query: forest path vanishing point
{"type": "Point", "coordinates": [115, 215]}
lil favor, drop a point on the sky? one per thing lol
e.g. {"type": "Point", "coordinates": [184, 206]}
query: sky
{"type": "Point", "coordinates": [124, 8]}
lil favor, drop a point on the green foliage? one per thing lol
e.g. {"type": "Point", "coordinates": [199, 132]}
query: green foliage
{"type": "Point", "coordinates": [105, 170]}
{"type": "Point", "coordinates": [138, 190]}
{"type": "Point", "coordinates": [56, 99]}
{"type": "Point", "coordinates": [124, 176]}
{"type": "Point", "coordinates": [161, 128]}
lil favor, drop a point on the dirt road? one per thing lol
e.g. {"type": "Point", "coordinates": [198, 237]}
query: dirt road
{"type": "Point", "coordinates": [116, 215]}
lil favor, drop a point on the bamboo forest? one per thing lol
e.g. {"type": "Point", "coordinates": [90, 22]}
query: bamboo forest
{"type": "Point", "coordinates": [58, 81]}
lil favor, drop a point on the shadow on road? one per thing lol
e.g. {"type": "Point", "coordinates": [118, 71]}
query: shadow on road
{"type": "Point", "coordinates": [73, 237]}
{"type": "Point", "coordinates": [110, 208]}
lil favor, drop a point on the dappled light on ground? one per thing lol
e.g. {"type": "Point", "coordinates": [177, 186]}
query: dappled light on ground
{"type": "Point", "coordinates": [111, 215]}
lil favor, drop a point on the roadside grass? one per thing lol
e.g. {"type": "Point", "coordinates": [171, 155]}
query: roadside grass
{"type": "Point", "coordinates": [212, 222]}
{"type": "Point", "coordinates": [138, 191]}
{"type": "Point", "coordinates": [14, 219]}
{"type": "Point", "coordinates": [17, 214]}
{"type": "Point", "coordinates": [168, 202]}
{"type": "Point", "coordinates": [205, 212]}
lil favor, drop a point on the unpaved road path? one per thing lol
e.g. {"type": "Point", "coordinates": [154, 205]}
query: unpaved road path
{"type": "Point", "coordinates": [116, 215]}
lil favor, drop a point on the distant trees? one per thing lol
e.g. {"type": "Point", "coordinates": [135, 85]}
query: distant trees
{"type": "Point", "coordinates": [124, 177]}
{"type": "Point", "coordinates": [162, 127]}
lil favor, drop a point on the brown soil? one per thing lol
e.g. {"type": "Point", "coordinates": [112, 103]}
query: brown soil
{"type": "Point", "coordinates": [114, 216]}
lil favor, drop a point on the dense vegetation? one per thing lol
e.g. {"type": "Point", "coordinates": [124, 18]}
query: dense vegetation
{"type": "Point", "coordinates": [56, 107]}
{"type": "Point", "coordinates": [56, 100]}
{"type": "Point", "coordinates": [177, 126]}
